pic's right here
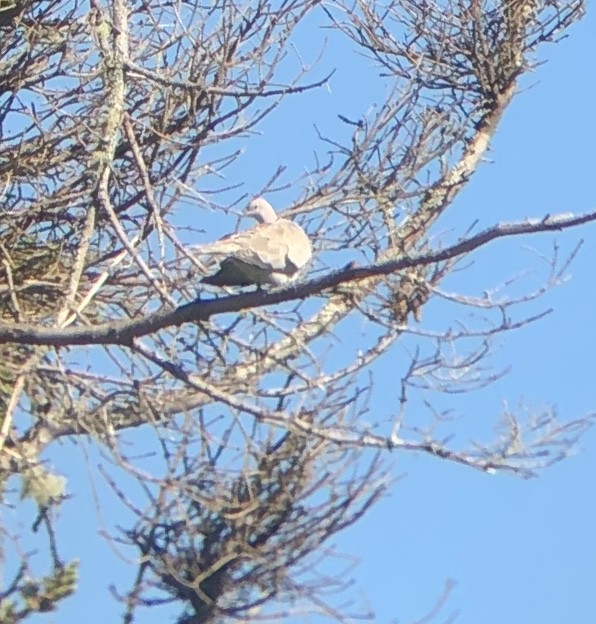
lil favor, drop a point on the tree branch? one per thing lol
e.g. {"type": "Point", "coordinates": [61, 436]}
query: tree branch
{"type": "Point", "coordinates": [123, 332]}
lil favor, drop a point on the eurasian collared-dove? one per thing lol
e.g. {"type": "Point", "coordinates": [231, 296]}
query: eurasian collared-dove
{"type": "Point", "coordinates": [272, 252]}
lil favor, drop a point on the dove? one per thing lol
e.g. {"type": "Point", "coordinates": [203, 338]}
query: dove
{"type": "Point", "coordinates": [272, 252]}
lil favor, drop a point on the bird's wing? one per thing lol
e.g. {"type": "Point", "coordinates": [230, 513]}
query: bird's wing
{"type": "Point", "coordinates": [279, 247]}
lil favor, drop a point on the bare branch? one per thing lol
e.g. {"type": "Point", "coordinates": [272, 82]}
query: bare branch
{"type": "Point", "coordinates": [123, 333]}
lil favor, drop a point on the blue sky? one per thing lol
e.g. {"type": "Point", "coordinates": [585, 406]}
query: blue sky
{"type": "Point", "coordinates": [519, 551]}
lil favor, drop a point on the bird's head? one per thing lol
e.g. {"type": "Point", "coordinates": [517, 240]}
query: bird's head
{"type": "Point", "coordinates": [261, 210]}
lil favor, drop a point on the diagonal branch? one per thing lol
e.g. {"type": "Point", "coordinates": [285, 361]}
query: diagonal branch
{"type": "Point", "coordinates": [123, 332]}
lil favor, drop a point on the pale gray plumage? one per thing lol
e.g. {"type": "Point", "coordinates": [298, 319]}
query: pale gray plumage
{"type": "Point", "coordinates": [272, 252]}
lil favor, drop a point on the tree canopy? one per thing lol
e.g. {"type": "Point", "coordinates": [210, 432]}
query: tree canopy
{"type": "Point", "coordinates": [235, 424]}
